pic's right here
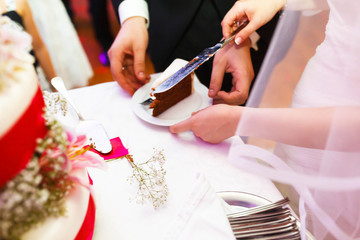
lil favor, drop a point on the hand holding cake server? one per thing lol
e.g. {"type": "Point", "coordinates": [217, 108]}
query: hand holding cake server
{"type": "Point", "coordinates": [198, 61]}
{"type": "Point", "coordinates": [183, 35]}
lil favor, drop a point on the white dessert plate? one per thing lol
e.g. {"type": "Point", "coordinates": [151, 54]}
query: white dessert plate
{"type": "Point", "coordinates": [182, 110]}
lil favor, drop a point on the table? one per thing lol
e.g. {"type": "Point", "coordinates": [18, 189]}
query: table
{"type": "Point", "coordinates": [186, 156]}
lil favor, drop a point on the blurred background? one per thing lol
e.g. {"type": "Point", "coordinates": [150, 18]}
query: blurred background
{"type": "Point", "coordinates": [82, 21]}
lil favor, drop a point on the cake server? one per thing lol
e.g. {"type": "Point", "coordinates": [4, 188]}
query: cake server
{"type": "Point", "coordinates": [196, 62]}
{"type": "Point", "coordinates": [91, 128]}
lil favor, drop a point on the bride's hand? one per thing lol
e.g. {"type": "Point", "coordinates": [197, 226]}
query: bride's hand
{"type": "Point", "coordinates": [258, 12]}
{"type": "Point", "coordinates": [213, 124]}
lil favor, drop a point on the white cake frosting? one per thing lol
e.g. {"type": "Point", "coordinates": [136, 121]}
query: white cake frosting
{"type": "Point", "coordinates": [14, 100]}
{"type": "Point", "coordinates": [18, 87]}
{"type": "Point", "coordinates": [16, 96]}
{"type": "Point", "coordinates": [169, 71]}
{"type": "Point", "coordinates": [67, 226]}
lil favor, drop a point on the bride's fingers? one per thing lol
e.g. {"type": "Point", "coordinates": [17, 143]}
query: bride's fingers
{"type": "Point", "coordinates": [181, 126]}
{"type": "Point", "coordinates": [252, 26]}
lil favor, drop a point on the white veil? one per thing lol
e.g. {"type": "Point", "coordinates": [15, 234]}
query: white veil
{"type": "Point", "coordinates": [325, 183]}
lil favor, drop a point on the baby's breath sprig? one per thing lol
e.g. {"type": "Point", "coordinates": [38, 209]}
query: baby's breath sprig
{"type": "Point", "coordinates": [150, 176]}
{"type": "Point", "coordinates": [39, 190]}
{"type": "Point", "coordinates": [55, 103]}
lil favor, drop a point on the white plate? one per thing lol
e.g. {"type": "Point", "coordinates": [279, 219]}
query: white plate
{"type": "Point", "coordinates": [182, 110]}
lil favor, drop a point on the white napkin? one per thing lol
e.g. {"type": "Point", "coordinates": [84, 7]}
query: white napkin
{"type": "Point", "coordinates": [202, 216]}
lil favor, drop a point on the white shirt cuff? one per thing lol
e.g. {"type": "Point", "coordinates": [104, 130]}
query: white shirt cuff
{"type": "Point", "coordinates": [306, 5]}
{"type": "Point", "coordinates": [254, 38]}
{"type": "Point", "coordinates": [133, 8]}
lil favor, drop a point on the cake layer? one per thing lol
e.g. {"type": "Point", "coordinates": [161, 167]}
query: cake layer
{"type": "Point", "coordinates": [87, 228]}
{"type": "Point", "coordinates": [165, 100]}
{"type": "Point", "coordinates": [67, 226]}
{"type": "Point", "coordinates": [37, 187]}
{"type": "Point", "coordinates": [16, 97]}
{"type": "Point", "coordinates": [22, 122]}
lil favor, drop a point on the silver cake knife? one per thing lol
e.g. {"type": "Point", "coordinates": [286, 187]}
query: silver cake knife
{"type": "Point", "coordinates": [196, 62]}
{"type": "Point", "coordinates": [91, 128]}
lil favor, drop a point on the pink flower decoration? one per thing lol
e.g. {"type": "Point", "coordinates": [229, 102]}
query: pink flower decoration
{"type": "Point", "coordinates": [81, 157]}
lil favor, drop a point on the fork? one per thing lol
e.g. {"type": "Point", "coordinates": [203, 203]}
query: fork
{"type": "Point", "coordinates": [91, 128]}
{"type": "Point", "coordinates": [270, 221]}
{"type": "Point", "coordinates": [261, 208]}
{"type": "Point", "coordinates": [260, 216]}
{"type": "Point", "coordinates": [147, 101]}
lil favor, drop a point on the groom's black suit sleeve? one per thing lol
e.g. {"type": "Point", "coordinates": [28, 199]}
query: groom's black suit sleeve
{"type": "Point", "coordinates": [182, 29]}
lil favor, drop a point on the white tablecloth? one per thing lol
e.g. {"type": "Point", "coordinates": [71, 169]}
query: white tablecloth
{"type": "Point", "coordinates": [186, 158]}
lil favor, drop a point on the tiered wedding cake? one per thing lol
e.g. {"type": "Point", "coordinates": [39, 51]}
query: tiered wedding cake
{"type": "Point", "coordinates": [40, 194]}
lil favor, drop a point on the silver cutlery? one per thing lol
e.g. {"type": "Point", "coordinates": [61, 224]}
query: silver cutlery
{"type": "Point", "coordinates": [261, 208]}
{"type": "Point", "coordinates": [266, 229]}
{"type": "Point", "coordinates": [260, 217]}
{"type": "Point", "coordinates": [269, 221]}
{"type": "Point", "coordinates": [91, 128]}
{"type": "Point", "coordinates": [288, 233]}
{"type": "Point", "coordinates": [147, 101]}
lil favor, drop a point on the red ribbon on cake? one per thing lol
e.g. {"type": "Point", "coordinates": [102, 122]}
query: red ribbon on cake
{"type": "Point", "coordinates": [87, 228]}
{"type": "Point", "coordinates": [18, 144]}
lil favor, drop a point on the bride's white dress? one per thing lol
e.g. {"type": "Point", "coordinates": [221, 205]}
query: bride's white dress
{"type": "Point", "coordinates": [331, 78]}
{"type": "Point", "coordinates": [60, 37]}
{"type": "Point", "coordinates": [333, 72]}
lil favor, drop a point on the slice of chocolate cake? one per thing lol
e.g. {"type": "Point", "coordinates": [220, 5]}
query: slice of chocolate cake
{"type": "Point", "coordinates": [178, 92]}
